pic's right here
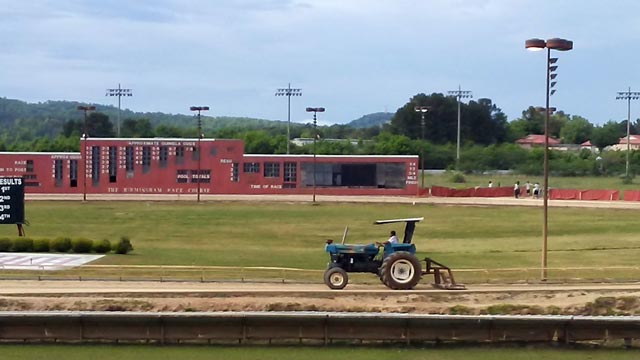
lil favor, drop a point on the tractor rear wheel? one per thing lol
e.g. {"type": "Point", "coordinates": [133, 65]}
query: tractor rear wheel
{"type": "Point", "coordinates": [401, 271]}
{"type": "Point", "coordinates": [336, 278]}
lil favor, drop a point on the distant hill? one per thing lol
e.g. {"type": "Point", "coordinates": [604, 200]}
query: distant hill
{"type": "Point", "coordinates": [48, 118]}
{"type": "Point", "coordinates": [371, 120]}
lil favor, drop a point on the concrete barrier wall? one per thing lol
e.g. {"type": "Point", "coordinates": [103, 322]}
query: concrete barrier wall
{"type": "Point", "coordinates": [248, 327]}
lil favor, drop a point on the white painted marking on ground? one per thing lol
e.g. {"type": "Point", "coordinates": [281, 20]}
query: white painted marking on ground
{"type": "Point", "coordinates": [49, 262]}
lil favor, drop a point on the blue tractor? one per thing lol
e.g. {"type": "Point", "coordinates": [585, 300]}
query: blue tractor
{"type": "Point", "coordinates": [396, 265]}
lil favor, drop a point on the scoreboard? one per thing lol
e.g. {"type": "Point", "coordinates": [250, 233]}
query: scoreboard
{"type": "Point", "coordinates": [11, 200]}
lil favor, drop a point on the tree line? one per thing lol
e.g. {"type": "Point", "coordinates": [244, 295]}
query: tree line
{"type": "Point", "coordinates": [487, 136]}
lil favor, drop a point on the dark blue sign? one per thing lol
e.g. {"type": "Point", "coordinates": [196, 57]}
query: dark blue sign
{"type": "Point", "coordinates": [11, 200]}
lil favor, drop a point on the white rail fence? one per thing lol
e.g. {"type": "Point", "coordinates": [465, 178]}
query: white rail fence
{"type": "Point", "coordinates": [283, 274]}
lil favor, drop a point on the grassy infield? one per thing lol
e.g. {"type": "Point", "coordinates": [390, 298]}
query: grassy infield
{"type": "Point", "coordinates": [22, 352]}
{"type": "Point", "coordinates": [611, 183]}
{"type": "Point", "coordinates": [292, 235]}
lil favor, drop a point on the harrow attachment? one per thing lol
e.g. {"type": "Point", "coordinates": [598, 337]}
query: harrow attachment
{"type": "Point", "coordinates": [442, 275]}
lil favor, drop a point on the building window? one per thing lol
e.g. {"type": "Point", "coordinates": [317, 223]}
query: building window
{"type": "Point", "coordinates": [164, 156]}
{"type": "Point", "coordinates": [31, 181]}
{"type": "Point", "coordinates": [73, 173]}
{"type": "Point", "coordinates": [129, 159]}
{"type": "Point", "coordinates": [29, 165]}
{"type": "Point", "coordinates": [252, 167]}
{"type": "Point", "coordinates": [203, 177]}
{"type": "Point", "coordinates": [235, 172]}
{"type": "Point", "coordinates": [182, 176]}
{"type": "Point", "coordinates": [58, 169]}
{"type": "Point", "coordinates": [179, 154]}
{"type": "Point", "coordinates": [195, 153]}
{"type": "Point", "coordinates": [113, 164]}
{"type": "Point", "coordinates": [146, 159]}
{"type": "Point", "coordinates": [95, 165]}
{"type": "Point", "coordinates": [271, 169]}
{"type": "Point", "coordinates": [290, 172]}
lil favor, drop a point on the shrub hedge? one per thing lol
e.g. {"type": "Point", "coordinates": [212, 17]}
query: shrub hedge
{"type": "Point", "coordinates": [81, 245]}
{"type": "Point", "coordinates": [5, 244]}
{"type": "Point", "coordinates": [61, 244]}
{"type": "Point", "coordinates": [123, 246]}
{"type": "Point", "coordinates": [22, 244]}
{"type": "Point", "coordinates": [65, 244]}
{"type": "Point", "coordinates": [41, 245]}
{"type": "Point", "coordinates": [102, 247]}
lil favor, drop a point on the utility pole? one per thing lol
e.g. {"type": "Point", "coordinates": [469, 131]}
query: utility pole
{"type": "Point", "coordinates": [199, 176]}
{"type": "Point", "coordinates": [314, 110]}
{"type": "Point", "coordinates": [459, 94]}
{"type": "Point", "coordinates": [289, 92]}
{"type": "Point", "coordinates": [628, 95]}
{"type": "Point", "coordinates": [119, 92]}
{"type": "Point", "coordinates": [85, 135]}
{"type": "Point", "coordinates": [422, 110]}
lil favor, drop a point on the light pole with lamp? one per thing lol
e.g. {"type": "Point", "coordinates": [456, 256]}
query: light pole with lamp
{"type": "Point", "coordinates": [199, 109]}
{"type": "Point", "coordinates": [314, 110]}
{"type": "Point", "coordinates": [628, 95]}
{"type": "Point", "coordinates": [560, 45]}
{"type": "Point", "coordinates": [119, 92]}
{"type": "Point", "coordinates": [289, 92]}
{"type": "Point", "coordinates": [85, 135]}
{"type": "Point", "coordinates": [459, 94]}
{"type": "Point", "coordinates": [422, 110]}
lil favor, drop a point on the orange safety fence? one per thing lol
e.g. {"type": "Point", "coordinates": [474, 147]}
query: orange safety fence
{"type": "Point", "coordinates": [632, 195]}
{"type": "Point", "coordinates": [554, 194]}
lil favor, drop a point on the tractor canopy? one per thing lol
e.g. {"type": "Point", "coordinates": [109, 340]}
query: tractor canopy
{"type": "Point", "coordinates": [408, 229]}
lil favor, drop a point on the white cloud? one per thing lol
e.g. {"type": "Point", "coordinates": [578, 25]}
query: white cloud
{"type": "Point", "coordinates": [351, 56]}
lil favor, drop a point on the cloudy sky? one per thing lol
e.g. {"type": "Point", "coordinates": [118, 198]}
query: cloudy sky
{"type": "Point", "coordinates": [353, 57]}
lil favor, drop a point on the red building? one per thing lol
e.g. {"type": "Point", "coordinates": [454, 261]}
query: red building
{"type": "Point", "coordinates": [532, 140]}
{"type": "Point", "coordinates": [174, 166]}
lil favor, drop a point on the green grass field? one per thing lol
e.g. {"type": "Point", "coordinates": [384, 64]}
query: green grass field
{"type": "Point", "coordinates": [583, 182]}
{"type": "Point", "coordinates": [293, 234]}
{"type": "Point", "coordinates": [126, 352]}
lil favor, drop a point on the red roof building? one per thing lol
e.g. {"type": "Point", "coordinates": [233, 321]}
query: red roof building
{"type": "Point", "coordinates": [533, 140]}
{"type": "Point", "coordinates": [634, 143]}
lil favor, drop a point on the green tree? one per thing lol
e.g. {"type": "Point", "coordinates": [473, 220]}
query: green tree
{"type": "Point", "coordinates": [391, 144]}
{"type": "Point", "coordinates": [607, 134]}
{"type": "Point", "coordinates": [576, 131]}
{"type": "Point", "coordinates": [258, 142]}
{"type": "Point", "coordinates": [99, 125]}
{"type": "Point", "coordinates": [483, 122]}
{"type": "Point", "coordinates": [137, 128]}
{"type": "Point", "coordinates": [168, 131]}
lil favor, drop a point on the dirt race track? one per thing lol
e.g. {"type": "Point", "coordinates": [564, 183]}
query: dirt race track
{"type": "Point", "coordinates": [348, 199]}
{"type": "Point", "coordinates": [587, 299]}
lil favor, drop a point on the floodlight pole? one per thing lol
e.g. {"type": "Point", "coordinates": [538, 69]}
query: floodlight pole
{"type": "Point", "coordinates": [422, 110]}
{"type": "Point", "coordinates": [199, 109]}
{"type": "Point", "coordinates": [288, 92]}
{"type": "Point", "coordinates": [628, 95]}
{"type": "Point", "coordinates": [85, 135]}
{"type": "Point", "coordinates": [459, 94]}
{"type": "Point", "coordinates": [560, 45]}
{"type": "Point", "coordinates": [119, 92]}
{"type": "Point", "coordinates": [314, 110]}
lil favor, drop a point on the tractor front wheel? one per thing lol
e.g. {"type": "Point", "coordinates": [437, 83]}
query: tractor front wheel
{"type": "Point", "coordinates": [336, 278]}
{"type": "Point", "coordinates": [401, 271]}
